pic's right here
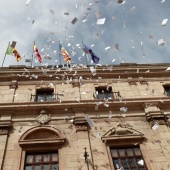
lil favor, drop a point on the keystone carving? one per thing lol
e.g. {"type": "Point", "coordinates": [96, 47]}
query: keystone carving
{"type": "Point", "coordinates": [43, 117]}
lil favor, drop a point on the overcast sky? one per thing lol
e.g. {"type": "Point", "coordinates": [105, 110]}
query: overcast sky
{"type": "Point", "coordinates": [135, 26]}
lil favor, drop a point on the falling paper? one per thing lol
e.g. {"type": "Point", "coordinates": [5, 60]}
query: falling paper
{"type": "Point", "coordinates": [117, 46]}
{"type": "Point", "coordinates": [107, 48]}
{"type": "Point", "coordinates": [52, 12]}
{"type": "Point", "coordinates": [28, 2]}
{"type": "Point", "coordinates": [155, 126]}
{"type": "Point", "coordinates": [161, 42]}
{"type": "Point", "coordinates": [141, 162]}
{"type": "Point", "coordinates": [123, 109]}
{"type": "Point", "coordinates": [164, 22]}
{"type": "Point", "coordinates": [74, 21]}
{"type": "Point", "coordinates": [162, 1]}
{"type": "Point", "coordinates": [101, 21]}
{"type": "Point", "coordinates": [168, 69]}
{"type": "Point", "coordinates": [90, 122]}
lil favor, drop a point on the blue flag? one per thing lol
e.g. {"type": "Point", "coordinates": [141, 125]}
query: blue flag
{"type": "Point", "coordinates": [94, 57]}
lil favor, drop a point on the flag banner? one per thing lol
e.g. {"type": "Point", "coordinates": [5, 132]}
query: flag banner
{"type": "Point", "coordinates": [9, 50]}
{"type": "Point", "coordinates": [94, 57]}
{"type": "Point", "coordinates": [37, 53]}
{"type": "Point", "coordinates": [64, 53]}
{"type": "Point", "coordinates": [17, 55]}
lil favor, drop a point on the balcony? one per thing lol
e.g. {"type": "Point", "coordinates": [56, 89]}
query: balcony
{"type": "Point", "coordinates": [45, 97]}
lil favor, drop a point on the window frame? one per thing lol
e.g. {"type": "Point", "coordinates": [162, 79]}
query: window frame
{"type": "Point", "coordinates": [45, 92]}
{"type": "Point", "coordinates": [50, 163]}
{"type": "Point", "coordinates": [165, 90]}
{"type": "Point", "coordinates": [134, 156]}
{"type": "Point", "coordinates": [41, 145]}
{"type": "Point", "coordinates": [104, 93]}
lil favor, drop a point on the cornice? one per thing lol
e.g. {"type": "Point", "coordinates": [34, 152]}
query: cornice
{"type": "Point", "coordinates": [82, 106]}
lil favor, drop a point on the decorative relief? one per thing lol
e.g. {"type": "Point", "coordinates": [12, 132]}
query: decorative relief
{"type": "Point", "coordinates": [4, 130]}
{"type": "Point", "coordinates": [160, 118]}
{"type": "Point", "coordinates": [42, 135]}
{"type": "Point", "coordinates": [81, 128]}
{"type": "Point", "coordinates": [43, 117]}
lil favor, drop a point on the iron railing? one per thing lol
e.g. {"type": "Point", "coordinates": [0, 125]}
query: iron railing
{"type": "Point", "coordinates": [46, 97]}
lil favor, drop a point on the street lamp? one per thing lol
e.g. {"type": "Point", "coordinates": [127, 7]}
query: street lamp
{"type": "Point", "coordinates": [86, 157]}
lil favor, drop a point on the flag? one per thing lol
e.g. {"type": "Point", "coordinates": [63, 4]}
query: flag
{"type": "Point", "coordinates": [94, 57]}
{"type": "Point", "coordinates": [17, 55]}
{"type": "Point", "coordinates": [64, 53]}
{"type": "Point", "coordinates": [9, 50]}
{"type": "Point", "coordinates": [37, 53]}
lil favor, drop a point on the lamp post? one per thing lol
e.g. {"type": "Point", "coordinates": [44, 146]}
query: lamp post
{"type": "Point", "coordinates": [86, 157]}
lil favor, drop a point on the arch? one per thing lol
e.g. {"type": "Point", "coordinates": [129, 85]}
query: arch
{"type": "Point", "coordinates": [42, 135]}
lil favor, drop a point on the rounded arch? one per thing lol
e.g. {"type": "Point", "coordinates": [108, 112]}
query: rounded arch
{"type": "Point", "coordinates": [43, 135]}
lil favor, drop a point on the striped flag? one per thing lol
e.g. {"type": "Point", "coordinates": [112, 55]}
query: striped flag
{"type": "Point", "coordinates": [64, 53]}
{"type": "Point", "coordinates": [37, 53]}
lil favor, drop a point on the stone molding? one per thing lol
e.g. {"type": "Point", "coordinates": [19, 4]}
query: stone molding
{"type": "Point", "coordinates": [42, 135]}
{"type": "Point", "coordinates": [122, 135]}
{"type": "Point", "coordinates": [4, 128]}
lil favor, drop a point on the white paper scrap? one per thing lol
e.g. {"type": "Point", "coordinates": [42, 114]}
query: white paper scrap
{"type": "Point", "coordinates": [90, 122]}
{"type": "Point", "coordinates": [101, 21]}
{"type": "Point", "coordinates": [164, 22]}
{"type": "Point", "coordinates": [155, 126]}
{"type": "Point", "coordinates": [107, 48]}
{"type": "Point", "coordinates": [141, 162]}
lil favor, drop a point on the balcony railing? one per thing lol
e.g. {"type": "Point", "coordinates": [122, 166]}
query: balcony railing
{"type": "Point", "coordinates": [46, 97]}
{"type": "Point", "coordinates": [108, 95]}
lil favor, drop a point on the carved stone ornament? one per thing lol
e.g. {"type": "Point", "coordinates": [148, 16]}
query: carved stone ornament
{"type": "Point", "coordinates": [121, 135]}
{"type": "Point", "coordinates": [4, 130]}
{"type": "Point", "coordinates": [157, 117]}
{"type": "Point", "coordinates": [43, 117]}
{"type": "Point", "coordinates": [81, 128]}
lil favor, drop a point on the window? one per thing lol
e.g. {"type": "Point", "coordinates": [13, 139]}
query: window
{"type": "Point", "coordinates": [167, 90]}
{"type": "Point", "coordinates": [41, 161]}
{"type": "Point", "coordinates": [130, 158]}
{"type": "Point", "coordinates": [104, 92]}
{"type": "Point", "coordinates": [44, 95]}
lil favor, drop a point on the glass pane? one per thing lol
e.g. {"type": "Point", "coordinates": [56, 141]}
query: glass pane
{"type": "Point", "coordinates": [116, 163]}
{"type": "Point", "coordinates": [134, 169]}
{"type": "Point", "coordinates": [54, 157]}
{"type": "Point", "coordinates": [29, 159]}
{"type": "Point", "coordinates": [121, 152]}
{"type": "Point", "coordinates": [48, 97]}
{"type": "Point", "coordinates": [108, 95]}
{"type": "Point", "coordinates": [46, 167]}
{"type": "Point", "coordinates": [37, 167]}
{"type": "Point", "coordinates": [132, 162]}
{"type": "Point", "coordinates": [124, 163]}
{"type": "Point", "coordinates": [28, 168]}
{"type": "Point", "coordinates": [114, 153]}
{"type": "Point", "coordinates": [142, 168]}
{"type": "Point", "coordinates": [40, 98]}
{"type": "Point", "coordinates": [100, 96]}
{"type": "Point", "coordinates": [46, 157]}
{"type": "Point", "coordinates": [55, 167]}
{"type": "Point", "coordinates": [37, 158]}
{"type": "Point", "coordinates": [137, 151]}
{"type": "Point", "coordinates": [129, 152]}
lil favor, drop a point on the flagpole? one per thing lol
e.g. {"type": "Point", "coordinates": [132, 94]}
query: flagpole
{"type": "Point", "coordinates": [85, 55]}
{"type": "Point", "coordinates": [4, 57]}
{"type": "Point", "coordinates": [32, 54]}
{"type": "Point", "coordinates": [3, 60]}
{"type": "Point", "coordinates": [59, 55]}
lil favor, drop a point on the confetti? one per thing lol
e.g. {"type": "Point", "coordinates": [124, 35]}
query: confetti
{"type": "Point", "coordinates": [101, 21]}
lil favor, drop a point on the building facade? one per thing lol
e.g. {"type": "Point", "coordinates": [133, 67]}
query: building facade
{"type": "Point", "coordinates": [85, 118]}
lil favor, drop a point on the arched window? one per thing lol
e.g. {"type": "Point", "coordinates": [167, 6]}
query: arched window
{"type": "Point", "coordinates": [40, 148]}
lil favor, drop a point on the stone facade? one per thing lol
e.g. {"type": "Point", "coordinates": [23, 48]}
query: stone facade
{"type": "Point", "coordinates": [60, 124]}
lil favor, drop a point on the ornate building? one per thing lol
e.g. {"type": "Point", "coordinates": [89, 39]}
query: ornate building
{"type": "Point", "coordinates": [92, 118]}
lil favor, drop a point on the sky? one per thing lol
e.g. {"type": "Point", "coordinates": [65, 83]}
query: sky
{"type": "Point", "coordinates": [131, 33]}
